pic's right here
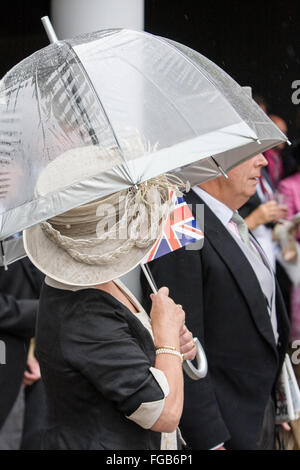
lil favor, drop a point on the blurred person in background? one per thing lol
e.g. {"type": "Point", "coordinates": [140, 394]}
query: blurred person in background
{"type": "Point", "coordinates": [21, 405]}
{"type": "Point", "coordinates": [281, 162]}
{"type": "Point", "coordinates": [260, 100]}
{"type": "Point", "coordinates": [290, 188]}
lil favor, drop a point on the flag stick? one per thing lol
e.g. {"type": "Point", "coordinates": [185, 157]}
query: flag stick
{"type": "Point", "coordinates": [188, 367]}
{"type": "Point", "coordinates": [149, 277]}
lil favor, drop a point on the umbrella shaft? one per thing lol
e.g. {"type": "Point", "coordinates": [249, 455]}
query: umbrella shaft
{"type": "Point", "coordinates": [49, 29]}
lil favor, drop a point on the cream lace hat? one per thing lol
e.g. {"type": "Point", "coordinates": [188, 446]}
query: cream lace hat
{"type": "Point", "coordinates": [104, 239]}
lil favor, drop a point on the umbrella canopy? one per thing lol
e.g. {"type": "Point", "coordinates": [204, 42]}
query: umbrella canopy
{"type": "Point", "coordinates": [105, 89]}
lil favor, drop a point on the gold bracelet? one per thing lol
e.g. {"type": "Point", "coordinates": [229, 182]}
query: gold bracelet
{"type": "Point", "coordinates": [170, 351]}
{"type": "Point", "coordinates": [166, 347]}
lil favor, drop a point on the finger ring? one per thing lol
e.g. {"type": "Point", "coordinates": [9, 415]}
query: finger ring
{"type": "Point", "coordinates": [179, 305]}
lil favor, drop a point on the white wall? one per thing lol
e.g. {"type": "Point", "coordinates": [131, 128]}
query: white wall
{"type": "Point", "coordinates": [73, 17]}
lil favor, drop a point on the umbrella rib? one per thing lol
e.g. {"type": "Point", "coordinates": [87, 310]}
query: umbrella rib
{"type": "Point", "coordinates": [83, 111]}
{"type": "Point", "coordinates": [39, 104]}
{"type": "Point", "coordinates": [17, 94]}
{"type": "Point", "coordinates": [68, 95]}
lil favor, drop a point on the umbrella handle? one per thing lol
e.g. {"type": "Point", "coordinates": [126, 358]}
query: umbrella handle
{"type": "Point", "coordinates": [188, 367]}
{"type": "Point", "coordinates": [200, 371]}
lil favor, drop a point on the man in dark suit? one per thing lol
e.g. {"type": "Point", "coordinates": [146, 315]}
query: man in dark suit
{"type": "Point", "coordinates": [19, 294]}
{"type": "Point", "coordinates": [233, 305]}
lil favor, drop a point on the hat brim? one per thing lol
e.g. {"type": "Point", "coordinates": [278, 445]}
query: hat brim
{"type": "Point", "coordinates": [56, 263]}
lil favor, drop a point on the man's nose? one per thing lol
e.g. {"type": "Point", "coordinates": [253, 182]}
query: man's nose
{"type": "Point", "coordinates": [260, 160]}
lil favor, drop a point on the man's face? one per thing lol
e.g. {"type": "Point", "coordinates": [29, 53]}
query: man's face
{"type": "Point", "coordinates": [243, 179]}
{"type": "Point", "coordinates": [235, 191]}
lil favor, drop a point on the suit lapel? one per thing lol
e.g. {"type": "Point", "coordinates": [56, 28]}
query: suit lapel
{"type": "Point", "coordinates": [239, 266]}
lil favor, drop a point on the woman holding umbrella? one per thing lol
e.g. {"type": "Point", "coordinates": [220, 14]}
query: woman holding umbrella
{"type": "Point", "coordinates": [113, 376]}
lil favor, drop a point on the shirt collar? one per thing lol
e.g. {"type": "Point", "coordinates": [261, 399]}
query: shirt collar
{"type": "Point", "coordinates": [223, 212]}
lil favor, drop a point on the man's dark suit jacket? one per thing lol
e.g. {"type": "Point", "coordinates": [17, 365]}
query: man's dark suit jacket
{"type": "Point", "coordinates": [19, 290]}
{"type": "Point", "coordinates": [226, 309]}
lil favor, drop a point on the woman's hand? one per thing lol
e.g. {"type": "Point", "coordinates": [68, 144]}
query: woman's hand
{"type": "Point", "coordinates": [167, 319]}
{"type": "Point", "coordinates": [263, 214]}
{"type": "Point", "coordinates": [187, 345]}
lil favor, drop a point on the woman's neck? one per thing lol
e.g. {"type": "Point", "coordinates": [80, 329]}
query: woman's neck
{"type": "Point", "coordinates": [106, 286]}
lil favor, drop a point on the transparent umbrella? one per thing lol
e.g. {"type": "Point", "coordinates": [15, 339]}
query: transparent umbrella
{"type": "Point", "coordinates": [101, 89]}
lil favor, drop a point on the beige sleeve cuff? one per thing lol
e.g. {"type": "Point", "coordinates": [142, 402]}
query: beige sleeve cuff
{"type": "Point", "coordinates": [148, 413]}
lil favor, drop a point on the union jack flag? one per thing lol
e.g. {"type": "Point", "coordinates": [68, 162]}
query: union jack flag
{"type": "Point", "coordinates": [181, 229]}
